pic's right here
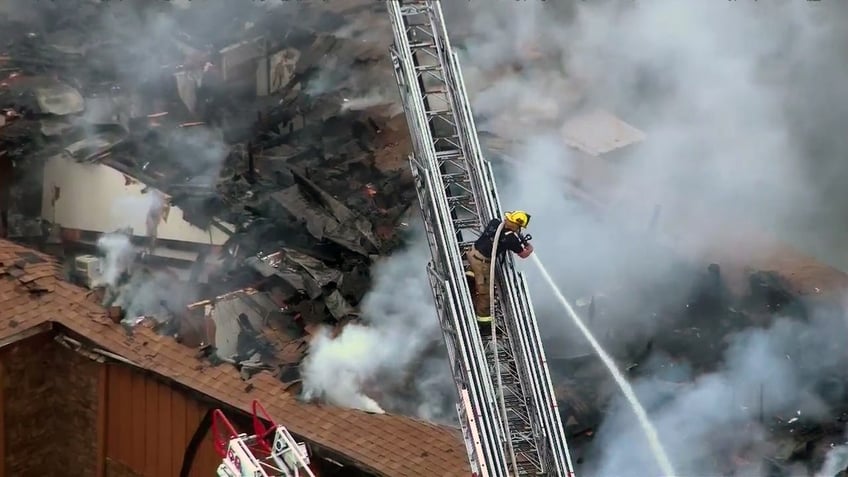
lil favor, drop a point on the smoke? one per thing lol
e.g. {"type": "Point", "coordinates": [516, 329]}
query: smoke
{"type": "Point", "coordinates": [360, 83]}
{"type": "Point", "coordinates": [337, 368]}
{"type": "Point", "coordinates": [836, 461]}
{"type": "Point", "coordinates": [152, 293]}
{"type": "Point", "coordinates": [135, 206]}
{"type": "Point", "coordinates": [372, 362]}
{"type": "Point", "coordinates": [370, 100]}
{"type": "Point", "coordinates": [118, 256]}
{"type": "Point", "coordinates": [723, 144]}
{"type": "Point", "coordinates": [720, 90]}
{"type": "Point", "coordinates": [360, 69]}
{"type": "Point", "coordinates": [138, 290]}
{"type": "Point", "coordinates": [708, 420]}
{"type": "Point", "coordinates": [200, 152]}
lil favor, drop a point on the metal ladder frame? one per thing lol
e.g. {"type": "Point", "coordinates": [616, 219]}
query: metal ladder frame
{"type": "Point", "coordinates": [456, 191]}
{"type": "Point", "coordinates": [283, 457]}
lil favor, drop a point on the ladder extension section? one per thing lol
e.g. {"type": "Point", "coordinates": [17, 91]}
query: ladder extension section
{"type": "Point", "coordinates": [253, 455]}
{"type": "Point", "coordinates": [507, 407]}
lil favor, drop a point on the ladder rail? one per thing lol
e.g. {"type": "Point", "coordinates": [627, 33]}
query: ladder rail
{"type": "Point", "coordinates": [485, 189]}
{"type": "Point", "coordinates": [447, 260]}
{"type": "Point", "coordinates": [456, 189]}
{"type": "Point", "coordinates": [494, 461]}
{"type": "Point", "coordinates": [514, 285]}
{"type": "Point", "coordinates": [466, 132]}
{"type": "Point", "coordinates": [470, 372]}
{"type": "Point", "coordinates": [450, 148]}
{"type": "Point", "coordinates": [551, 437]}
{"type": "Point", "coordinates": [293, 463]}
{"type": "Point", "coordinates": [544, 381]}
{"type": "Point", "coordinates": [450, 296]}
{"type": "Point", "coordinates": [456, 93]}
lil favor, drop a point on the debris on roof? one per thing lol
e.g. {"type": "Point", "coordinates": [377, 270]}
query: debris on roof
{"type": "Point", "coordinates": [221, 199]}
{"type": "Point", "coordinates": [35, 297]}
{"type": "Point", "coordinates": [239, 175]}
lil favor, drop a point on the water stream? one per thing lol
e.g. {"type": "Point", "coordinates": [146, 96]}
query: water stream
{"type": "Point", "coordinates": [647, 427]}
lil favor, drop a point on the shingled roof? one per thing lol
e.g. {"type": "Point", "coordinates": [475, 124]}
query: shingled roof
{"type": "Point", "coordinates": [34, 296]}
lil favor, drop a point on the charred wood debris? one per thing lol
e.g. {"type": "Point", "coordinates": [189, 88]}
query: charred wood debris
{"type": "Point", "coordinates": [699, 320]}
{"type": "Point", "coordinates": [310, 192]}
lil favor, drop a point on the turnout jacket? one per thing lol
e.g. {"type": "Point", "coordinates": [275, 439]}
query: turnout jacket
{"type": "Point", "coordinates": [509, 240]}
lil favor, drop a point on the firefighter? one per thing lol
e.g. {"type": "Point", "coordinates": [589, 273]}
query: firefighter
{"type": "Point", "coordinates": [480, 257]}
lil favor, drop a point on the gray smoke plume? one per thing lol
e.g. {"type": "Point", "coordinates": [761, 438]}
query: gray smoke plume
{"type": "Point", "coordinates": [118, 257]}
{"type": "Point", "coordinates": [720, 90]}
{"type": "Point", "coordinates": [130, 285]}
{"type": "Point", "coordinates": [709, 419]}
{"type": "Point", "coordinates": [836, 461]}
{"type": "Point", "coordinates": [372, 362]}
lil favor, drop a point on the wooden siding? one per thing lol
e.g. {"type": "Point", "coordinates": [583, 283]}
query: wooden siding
{"type": "Point", "coordinates": [149, 424]}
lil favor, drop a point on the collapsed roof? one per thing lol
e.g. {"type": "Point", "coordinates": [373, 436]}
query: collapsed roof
{"type": "Point", "coordinates": [230, 191]}
{"type": "Point", "coordinates": [36, 298]}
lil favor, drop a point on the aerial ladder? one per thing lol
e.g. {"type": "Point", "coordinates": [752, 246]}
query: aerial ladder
{"type": "Point", "coordinates": [506, 403]}
{"type": "Point", "coordinates": [269, 452]}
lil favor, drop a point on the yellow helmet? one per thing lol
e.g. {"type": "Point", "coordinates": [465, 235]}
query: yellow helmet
{"type": "Point", "coordinates": [518, 217]}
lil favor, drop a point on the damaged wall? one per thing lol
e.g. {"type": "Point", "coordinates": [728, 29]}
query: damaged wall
{"type": "Point", "coordinates": [95, 197]}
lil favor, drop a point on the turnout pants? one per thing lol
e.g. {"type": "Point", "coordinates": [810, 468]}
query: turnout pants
{"type": "Point", "coordinates": [481, 267]}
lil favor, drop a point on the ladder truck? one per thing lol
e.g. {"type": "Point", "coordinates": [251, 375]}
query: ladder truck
{"type": "Point", "coordinates": [506, 403]}
{"type": "Point", "coordinates": [257, 455]}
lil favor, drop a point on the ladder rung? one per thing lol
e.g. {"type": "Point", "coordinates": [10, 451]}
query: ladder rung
{"type": "Point", "coordinates": [422, 44]}
{"type": "Point", "coordinates": [455, 177]}
{"type": "Point", "coordinates": [522, 446]}
{"type": "Point", "coordinates": [448, 154]}
{"type": "Point", "coordinates": [413, 8]}
{"type": "Point", "coordinates": [435, 67]}
{"type": "Point", "coordinates": [522, 433]}
{"type": "Point", "coordinates": [459, 199]}
{"type": "Point", "coordinates": [456, 180]}
{"type": "Point", "coordinates": [466, 223]}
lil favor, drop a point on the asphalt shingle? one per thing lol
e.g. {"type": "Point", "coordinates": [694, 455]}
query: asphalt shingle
{"type": "Point", "coordinates": [33, 294]}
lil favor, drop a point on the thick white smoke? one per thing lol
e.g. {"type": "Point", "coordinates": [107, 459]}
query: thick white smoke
{"type": "Point", "coordinates": [374, 359]}
{"type": "Point", "coordinates": [337, 369]}
{"type": "Point", "coordinates": [138, 291]}
{"type": "Point", "coordinates": [372, 99]}
{"type": "Point", "coordinates": [718, 88]}
{"type": "Point", "coordinates": [708, 420]}
{"type": "Point", "coordinates": [835, 462]}
{"type": "Point", "coordinates": [118, 256]}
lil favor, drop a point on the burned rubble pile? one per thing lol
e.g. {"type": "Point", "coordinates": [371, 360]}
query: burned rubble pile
{"type": "Point", "coordinates": [696, 331]}
{"type": "Point", "coordinates": [225, 114]}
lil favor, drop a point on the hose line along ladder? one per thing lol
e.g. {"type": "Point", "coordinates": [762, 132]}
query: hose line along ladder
{"type": "Point", "coordinates": [507, 407]}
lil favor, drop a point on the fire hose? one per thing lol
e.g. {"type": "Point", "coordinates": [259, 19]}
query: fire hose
{"type": "Point", "coordinates": [492, 261]}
